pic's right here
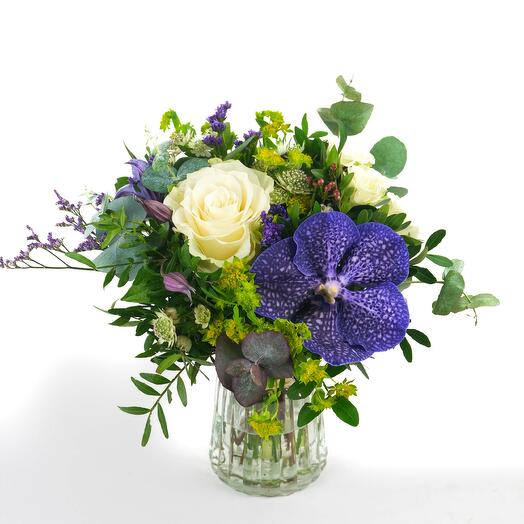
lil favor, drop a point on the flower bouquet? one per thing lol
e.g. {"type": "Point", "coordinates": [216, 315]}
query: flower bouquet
{"type": "Point", "coordinates": [279, 258]}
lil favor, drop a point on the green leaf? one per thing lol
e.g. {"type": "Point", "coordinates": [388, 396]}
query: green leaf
{"type": "Point", "coordinates": [147, 432]}
{"type": "Point", "coordinates": [181, 390]}
{"type": "Point", "coordinates": [121, 321]}
{"type": "Point", "coordinates": [237, 152]}
{"type": "Point", "coordinates": [475, 301]}
{"type": "Point", "coordinates": [458, 266]}
{"type": "Point", "coordinates": [435, 239]}
{"type": "Point", "coordinates": [306, 415]}
{"type": "Point", "coordinates": [362, 369]}
{"type": "Point", "coordinates": [304, 124]}
{"type": "Point", "coordinates": [346, 118]}
{"type": "Point", "coordinates": [399, 191]}
{"type": "Point", "coordinates": [348, 90]}
{"type": "Point", "coordinates": [109, 277]}
{"type": "Point", "coordinates": [333, 371]}
{"type": "Point", "coordinates": [81, 258]}
{"type": "Point", "coordinates": [162, 420]}
{"type": "Point", "coordinates": [154, 378]}
{"type": "Point", "coordinates": [345, 411]}
{"type": "Point", "coordinates": [129, 152]}
{"type": "Point", "coordinates": [450, 294]}
{"type": "Point", "coordinates": [440, 260]}
{"type": "Point", "coordinates": [419, 337]}
{"type": "Point", "coordinates": [168, 362]}
{"type": "Point", "coordinates": [298, 390]}
{"type": "Point", "coordinates": [191, 165]}
{"type": "Point", "coordinates": [159, 178]}
{"type": "Point", "coordinates": [144, 388]}
{"type": "Point", "coordinates": [169, 396]}
{"type": "Point", "coordinates": [390, 156]}
{"type": "Point", "coordinates": [134, 410]}
{"type": "Point", "coordinates": [406, 350]}
{"type": "Point", "coordinates": [134, 212]}
{"type": "Point", "coordinates": [425, 275]}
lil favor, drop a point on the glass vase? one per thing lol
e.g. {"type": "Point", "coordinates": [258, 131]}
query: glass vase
{"type": "Point", "coordinates": [279, 465]}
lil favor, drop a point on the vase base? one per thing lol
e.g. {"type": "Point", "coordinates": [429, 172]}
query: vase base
{"type": "Point", "coordinates": [271, 488]}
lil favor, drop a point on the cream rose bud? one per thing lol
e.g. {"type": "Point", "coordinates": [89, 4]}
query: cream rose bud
{"type": "Point", "coordinates": [357, 158]}
{"type": "Point", "coordinates": [218, 208]}
{"type": "Point", "coordinates": [369, 185]}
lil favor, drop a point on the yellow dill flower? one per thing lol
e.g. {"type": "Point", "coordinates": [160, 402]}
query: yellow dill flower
{"type": "Point", "coordinates": [344, 389]}
{"type": "Point", "coordinates": [214, 330]}
{"type": "Point", "coordinates": [272, 126]}
{"type": "Point", "coordinates": [319, 401]}
{"type": "Point", "coordinates": [246, 295]}
{"type": "Point", "coordinates": [295, 334]}
{"type": "Point", "coordinates": [264, 424]}
{"type": "Point", "coordinates": [297, 158]}
{"type": "Point", "coordinates": [235, 331]}
{"type": "Point", "coordinates": [233, 273]}
{"type": "Point", "coordinates": [301, 200]}
{"type": "Point", "coordinates": [269, 157]}
{"type": "Point", "coordinates": [311, 371]}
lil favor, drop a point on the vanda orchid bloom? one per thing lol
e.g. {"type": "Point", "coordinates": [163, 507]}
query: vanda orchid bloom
{"type": "Point", "coordinates": [341, 280]}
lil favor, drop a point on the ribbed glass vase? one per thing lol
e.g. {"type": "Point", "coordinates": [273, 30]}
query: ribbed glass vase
{"type": "Point", "coordinates": [280, 465]}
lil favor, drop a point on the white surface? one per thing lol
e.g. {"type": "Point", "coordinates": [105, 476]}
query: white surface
{"type": "Point", "coordinates": [441, 439]}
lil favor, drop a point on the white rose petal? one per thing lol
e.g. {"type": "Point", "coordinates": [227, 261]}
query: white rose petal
{"type": "Point", "coordinates": [218, 209]}
{"type": "Point", "coordinates": [395, 207]}
{"type": "Point", "coordinates": [370, 186]}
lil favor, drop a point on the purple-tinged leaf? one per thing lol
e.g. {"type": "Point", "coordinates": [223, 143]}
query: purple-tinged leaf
{"type": "Point", "coordinates": [267, 348]}
{"type": "Point", "coordinates": [246, 391]}
{"type": "Point", "coordinates": [226, 352]}
{"type": "Point", "coordinates": [284, 370]}
{"type": "Point", "coordinates": [239, 366]}
{"type": "Point", "coordinates": [258, 375]}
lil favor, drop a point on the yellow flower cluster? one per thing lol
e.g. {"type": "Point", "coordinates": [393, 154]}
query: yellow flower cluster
{"type": "Point", "coordinates": [233, 273]}
{"type": "Point", "coordinates": [297, 158]}
{"type": "Point", "coordinates": [344, 389]}
{"type": "Point", "coordinates": [269, 157]}
{"type": "Point", "coordinates": [265, 424]}
{"type": "Point", "coordinates": [275, 124]}
{"type": "Point", "coordinates": [311, 371]}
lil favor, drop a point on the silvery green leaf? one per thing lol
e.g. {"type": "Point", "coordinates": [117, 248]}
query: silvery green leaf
{"type": "Point", "coordinates": [189, 166]}
{"type": "Point", "coordinates": [390, 156]}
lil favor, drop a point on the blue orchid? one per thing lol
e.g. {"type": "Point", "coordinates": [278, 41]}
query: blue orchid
{"type": "Point", "coordinates": [341, 280]}
{"type": "Point", "coordinates": [135, 187]}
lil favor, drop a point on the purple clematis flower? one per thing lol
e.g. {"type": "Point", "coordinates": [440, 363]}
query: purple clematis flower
{"type": "Point", "coordinates": [135, 187]}
{"type": "Point", "coordinates": [341, 280]}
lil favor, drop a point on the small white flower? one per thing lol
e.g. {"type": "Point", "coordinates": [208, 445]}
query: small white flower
{"type": "Point", "coordinates": [198, 148]}
{"type": "Point", "coordinates": [282, 147]}
{"type": "Point", "coordinates": [179, 139]}
{"type": "Point", "coordinates": [202, 316]}
{"type": "Point", "coordinates": [183, 344]}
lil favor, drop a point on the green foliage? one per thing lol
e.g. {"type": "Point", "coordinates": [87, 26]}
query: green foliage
{"type": "Point", "coordinates": [346, 411]}
{"type": "Point", "coordinates": [306, 415]}
{"type": "Point", "coordinates": [419, 337]}
{"type": "Point", "coordinates": [435, 239]}
{"type": "Point", "coordinates": [450, 293]}
{"type": "Point", "coordinates": [299, 390]}
{"type": "Point", "coordinates": [189, 166]}
{"type": "Point", "coordinates": [405, 346]}
{"type": "Point", "coordinates": [134, 410]}
{"type": "Point", "coordinates": [348, 91]}
{"type": "Point", "coordinates": [390, 156]}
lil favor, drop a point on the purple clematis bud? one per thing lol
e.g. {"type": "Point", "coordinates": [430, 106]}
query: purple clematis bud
{"type": "Point", "coordinates": [177, 283]}
{"type": "Point", "coordinates": [157, 210]}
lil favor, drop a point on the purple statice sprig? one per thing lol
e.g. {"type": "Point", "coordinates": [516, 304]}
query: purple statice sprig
{"type": "Point", "coordinates": [217, 125]}
{"type": "Point", "coordinates": [54, 245]}
{"type": "Point", "coordinates": [271, 229]}
{"type": "Point", "coordinates": [247, 136]}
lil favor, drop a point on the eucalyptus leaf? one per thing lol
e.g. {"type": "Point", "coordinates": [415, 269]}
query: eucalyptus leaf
{"type": "Point", "coordinates": [189, 166]}
{"type": "Point", "coordinates": [399, 191]}
{"type": "Point", "coordinates": [348, 90]}
{"type": "Point", "coordinates": [475, 301]}
{"type": "Point", "coordinates": [450, 294]}
{"type": "Point", "coordinates": [390, 156]}
{"type": "Point", "coordinates": [159, 178]}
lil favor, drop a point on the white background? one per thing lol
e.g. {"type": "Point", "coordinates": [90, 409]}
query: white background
{"type": "Point", "coordinates": [440, 440]}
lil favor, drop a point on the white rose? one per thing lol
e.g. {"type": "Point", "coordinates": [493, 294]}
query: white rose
{"type": "Point", "coordinates": [370, 186]}
{"type": "Point", "coordinates": [395, 208]}
{"type": "Point", "coordinates": [356, 158]}
{"type": "Point", "coordinates": [218, 209]}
